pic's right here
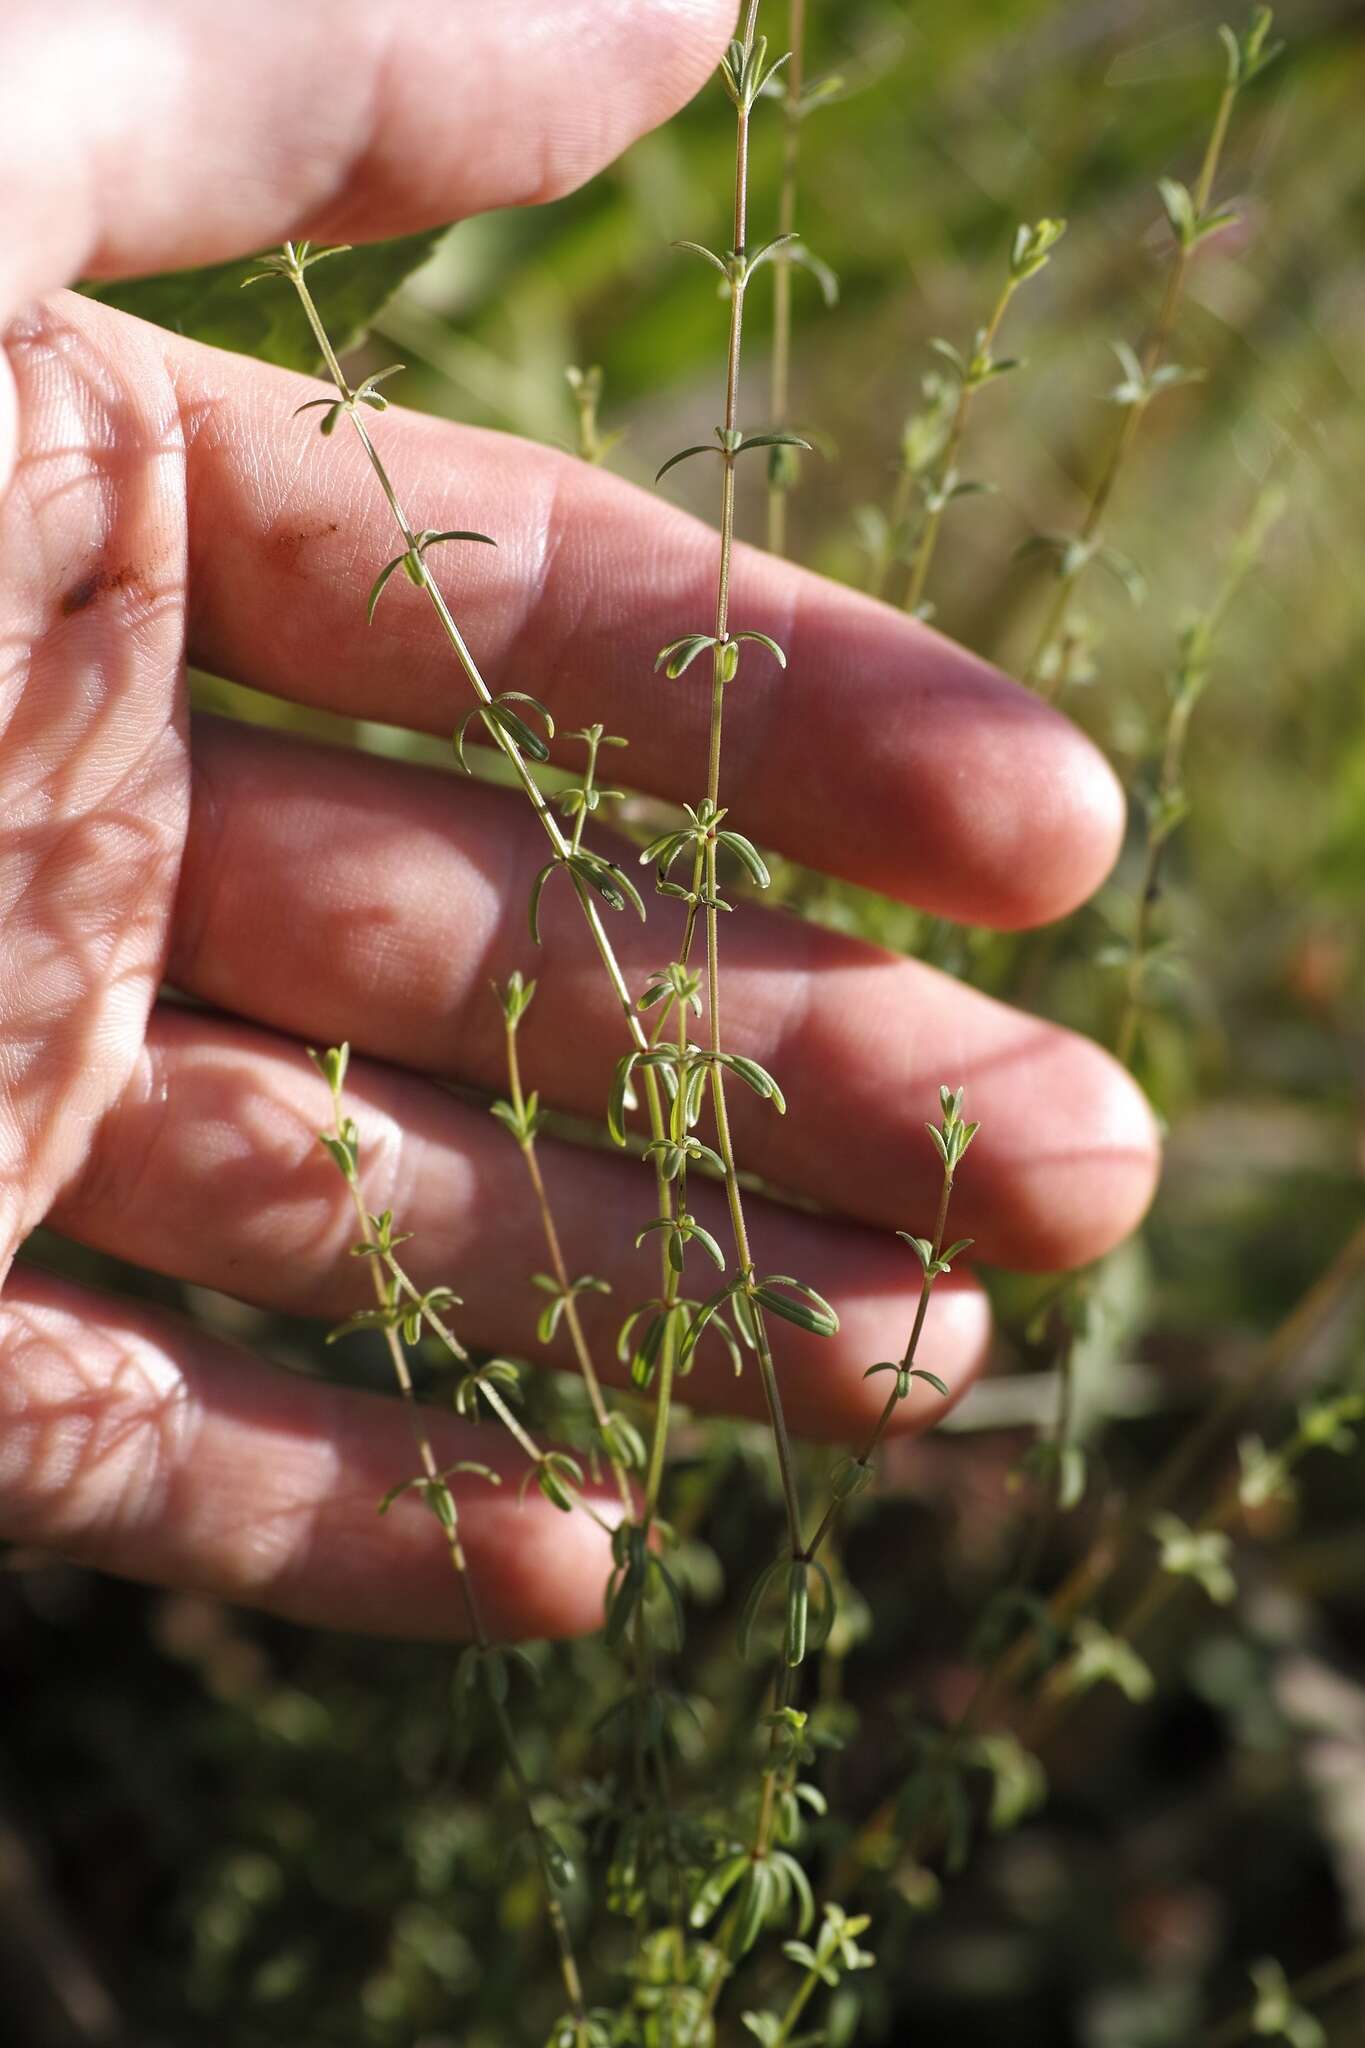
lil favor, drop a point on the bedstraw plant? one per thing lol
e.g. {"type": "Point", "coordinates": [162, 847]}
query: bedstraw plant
{"type": "Point", "coordinates": [1192, 217]}
{"type": "Point", "coordinates": [739, 1870]}
{"type": "Point", "coordinates": [749, 1884]}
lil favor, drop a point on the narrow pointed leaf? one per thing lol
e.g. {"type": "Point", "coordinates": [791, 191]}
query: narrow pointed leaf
{"type": "Point", "coordinates": [685, 455]}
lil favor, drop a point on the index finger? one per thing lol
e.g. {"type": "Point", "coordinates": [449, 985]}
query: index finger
{"type": "Point", "coordinates": [161, 133]}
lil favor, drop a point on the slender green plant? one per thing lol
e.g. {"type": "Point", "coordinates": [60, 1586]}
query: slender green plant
{"type": "Point", "coordinates": [641, 1596]}
{"type": "Point", "coordinates": [698, 1888]}
{"type": "Point", "coordinates": [1167, 805]}
{"type": "Point", "coordinates": [585, 388]}
{"type": "Point", "coordinates": [404, 1314]}
{"type": "Point", "coordinates": [784, 460]}
{"type": "Point", "coordinates": [1200, 1554]}
{"type": "Point", "coordinates": [1146, 374]}
{"type": "Point", "coordinates": [799, 98]}
{"type": "Point", "coordinates": [932, 438]}
{"type": "Point", "coordinates": [616, 1438]}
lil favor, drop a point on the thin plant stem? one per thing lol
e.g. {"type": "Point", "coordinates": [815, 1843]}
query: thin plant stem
{"type": "Point", "coordinates": [893, 1400]}
{"type": "Point", "coordinates": [1036, 1548]}
{"type": "Point", "coordinates": [440, 1329]}
{"type": "Point", "coordinates": [569, 1971]}
{"type": "Point", "coordinates": [800, 1999]}
{"type": "Point", "coordinates": [931, 440]}
{"type": "Point", "coordinates": [923, 557]}
{"type": "Point", "coordinates": [1153, 351]}
{"type": "Point", "coordinates": [724, 1141]}
{"type": "Point", "coordinates": [1164, 811]}
{"type": "Point", "coordinates": [560, 845]}
{"type": "Point", "coordinates": [901, 499]}
{"type": "Point", "coordinates": [573, 1321]}
{"type": "Point", "coordinates": [722, 651]}
{"type": "Point", "coordinates": [779, 398]}
{"type": "Point", "coordinates": [641, 1656]}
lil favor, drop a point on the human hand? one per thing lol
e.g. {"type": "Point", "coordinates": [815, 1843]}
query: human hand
{"type": "Point", "coordinates": [158, 510]}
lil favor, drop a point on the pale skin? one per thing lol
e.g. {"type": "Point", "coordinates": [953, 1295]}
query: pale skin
{"type": "Point", "coordinates": [162, 507]}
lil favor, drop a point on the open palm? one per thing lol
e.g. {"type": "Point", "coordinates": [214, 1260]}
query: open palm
{"type": "Point", "coordinates": [161, 507]}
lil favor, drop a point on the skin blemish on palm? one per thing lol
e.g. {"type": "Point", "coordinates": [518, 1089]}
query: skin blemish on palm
{"type": "Point", "coordinates": [92, 585]}
{"type": "Point", "coordinates": [285, 544]}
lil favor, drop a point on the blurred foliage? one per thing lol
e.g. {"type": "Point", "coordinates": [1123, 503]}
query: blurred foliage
{"type": "Point", "coordinates": [256, 1837]}
{"type": "Point", "coordinates": [210, 304]}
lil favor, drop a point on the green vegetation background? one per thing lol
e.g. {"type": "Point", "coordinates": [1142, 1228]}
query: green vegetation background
{"type": "Point", "coordinates": [220, 1829]}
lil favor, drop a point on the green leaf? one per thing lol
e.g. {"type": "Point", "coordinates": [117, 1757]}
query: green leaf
{"type": "Point", "coordinates": [952, 356]}
{"type": "Point", "coordinates": [798, 1613]}
{"type": "Point", "coordinates": [1199, 1554]}
{"type": "Point", "coordinates": [1125, 572]}
{"type": "Point", "coordinates": [332, 1065]}
{"type": "Point", "coordinates": [618, 1099]}
{"type": "Point", "coordinates": [427, 540]}
{"type": "Point", "coordinates": [772, 441]}
{"type": "Point", "coordinates": [1214, 223]}
{"type": "Point", "coordinates": [1249, 54]}
{"type": "Point", "coordinates": [607, 880]}
{"type": "Point", "coordinates": [1102, 1658]}
{"type": "Point", "coordinates": [707, 255]}
{"type": "Point", "coordinates": [623, 1443]}
{"type": "Point", "coordinates": [367, 393]}
{"type": "Point", "coordinates": [765, 640]}
{"type": "Point", "coordinates": [680, 654]}
{"type": "Point", "coordinates": [765, 2027]}
{"type": "Point", "coordinates": [685, 455]}
{"type": "Point", "coordinates": [533, 902]}
{"type": "Point", "coordinates": [1018, 1781]}
{"type": "Point", "coordinates": [716, 1887]}
{"type": "Point", "coordinates": [756, 1077]}
{"type": "Point", "coordinates": [766, 252]}
{"type": "Point", "coordinates": [699, 1324]}
{"type": "Point", "coordinates": [1032, 246]}
{"type": "Point", "coordinates": [1277, 2014]}
{"type": "Point", "coordinates": [704, 1238]}
{"type": "Point", "coordinates": [556, 1474]}
{"type": "Point", "coordinates": [331, 412]}
{"type": "Point", "coordinates": [753, 1604]}
{"type": "Point", "coordinates": [748, 856]}
{"type": "Point", "coordinates": [208, 304]}
{"type": "Point", "coordinates": [499, 717]}
{"type": "Point", "coordinates": [919, 1372]}
{"type": "Point", "coordinates": [825, 278]}
{"type": "Point", "coordinates": [756, 1899]}
{"type": "Point", "coordinates": [500, 713]}
{"type": "Point", "coordinates": [810, 1311]}
{"type": "Point", "coordinates": [1179, 208]}
{"type": "Point", "coordinates": [377, 587]}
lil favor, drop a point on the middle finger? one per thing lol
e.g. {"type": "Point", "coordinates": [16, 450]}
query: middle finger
{"type": "Point", "coordinates": [335, 896]}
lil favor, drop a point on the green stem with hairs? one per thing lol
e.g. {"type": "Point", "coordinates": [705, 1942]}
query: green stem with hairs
{"type": "Point", "coordinates": [779, 398]}
{"type": "Point", "coordinates": [561, 846]}
{"type": "Point", "coordinates": [1153, 351]}
{"type": "Point", "coordinates": [925, 546]}
{"type": "Point", "coordinates": [558, 1266]}
{"type": "Point", "coordinates": [385, 1297]}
